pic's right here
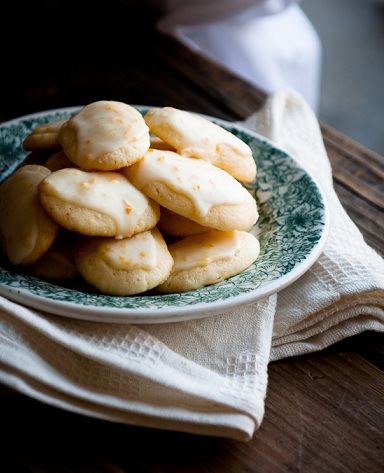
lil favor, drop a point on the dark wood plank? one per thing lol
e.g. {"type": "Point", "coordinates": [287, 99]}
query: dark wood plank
{"type": "Point", "coordinates": [334, 402]}
{"type": "Point", "coordinates": [355, 167]}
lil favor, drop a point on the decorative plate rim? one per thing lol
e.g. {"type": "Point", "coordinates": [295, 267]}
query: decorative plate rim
{"type": "Point", "coordinates": [29, 290]}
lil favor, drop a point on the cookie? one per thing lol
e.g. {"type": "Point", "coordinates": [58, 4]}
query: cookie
{"type": "Point", "coordinates": [195, 189]}
{"type": "Point", "coordinates": [157, 143]}
{"type": "Point", "coordinates": [58, 161]}
{"type": "Point", "coordinates": [197, 137]}
{"type": "Point", "coordinates": [44, 137]}
{"type": "Point", "coordinates": [97, 203]}
{"type": "Point", "coordinates": [124, 267]}
{"type": "Point", "coordinates": [26, 230]}
{"type": "Point", "coordinates": [57, 262]}
{"type": "Point", "coordinates": [208, 258]}
{"type": "Point", "coordinates": [175, 226]}
{"type": "Point", "coordinates": [105, 136]}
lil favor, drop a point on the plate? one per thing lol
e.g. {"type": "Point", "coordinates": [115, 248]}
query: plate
{"type": "Point", "coordinates": [292, 229]}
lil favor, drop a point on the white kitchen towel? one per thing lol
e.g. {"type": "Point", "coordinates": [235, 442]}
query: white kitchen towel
{"type": "Point", "coordinates": [342, 294]}
{"type": "Point", "coordinates": [206, 376]}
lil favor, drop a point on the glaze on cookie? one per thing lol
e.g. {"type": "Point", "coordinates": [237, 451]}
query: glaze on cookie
{"type": "Point", "coordinates": [208, 258]}
{"type": "Point", "coordinates": [194, 136]}
{"type": "Point", "coordinates": [97, 203]}
{"type": "Point", "coordinates": [124, 267]}
{"type": "Point", "coordinates": [105, 136]}
{"type": "Point", "coordinates": [194, 189]}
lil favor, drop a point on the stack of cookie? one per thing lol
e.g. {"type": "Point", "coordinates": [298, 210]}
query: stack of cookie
{"type": "Point", "coordinates": [131, 203]}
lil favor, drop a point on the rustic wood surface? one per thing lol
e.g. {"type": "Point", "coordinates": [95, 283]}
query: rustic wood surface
{"type": "Point", "coordinates": [324, 411]}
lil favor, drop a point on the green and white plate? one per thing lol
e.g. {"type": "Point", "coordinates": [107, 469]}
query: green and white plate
{"type": "Point", "coordinates": [292, 230]}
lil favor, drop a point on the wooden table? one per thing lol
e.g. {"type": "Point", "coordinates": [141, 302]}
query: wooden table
{"type": "Point", "coordinates": [324, 411]}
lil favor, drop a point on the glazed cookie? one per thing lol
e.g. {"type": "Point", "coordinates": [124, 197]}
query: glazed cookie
{"type": "Point", "coordinates": [105, 136]}
{"type": "Point", "coordinates": [176, 226]}
{"type": "Point", "coordinates": [195, 189]}
{"type": "Point", "coordinates": [197, 137]}
{"type": "Point", "coordinates": [44, 137]}
{"type": "Point", "coordinates": [157, 143]}
{"type": "Point", "coordinates": [97, 203]}
{"type": "Point", "coordinates": [209, 258]}
{"type": "Point", "coordinates": [26, 230]}
{"type": "Point", "coordinates": [124, 267]}
{"type": "Point", "coordinates": [57, 262]}
{"type": "Point", "coordinates": [58, 161]}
